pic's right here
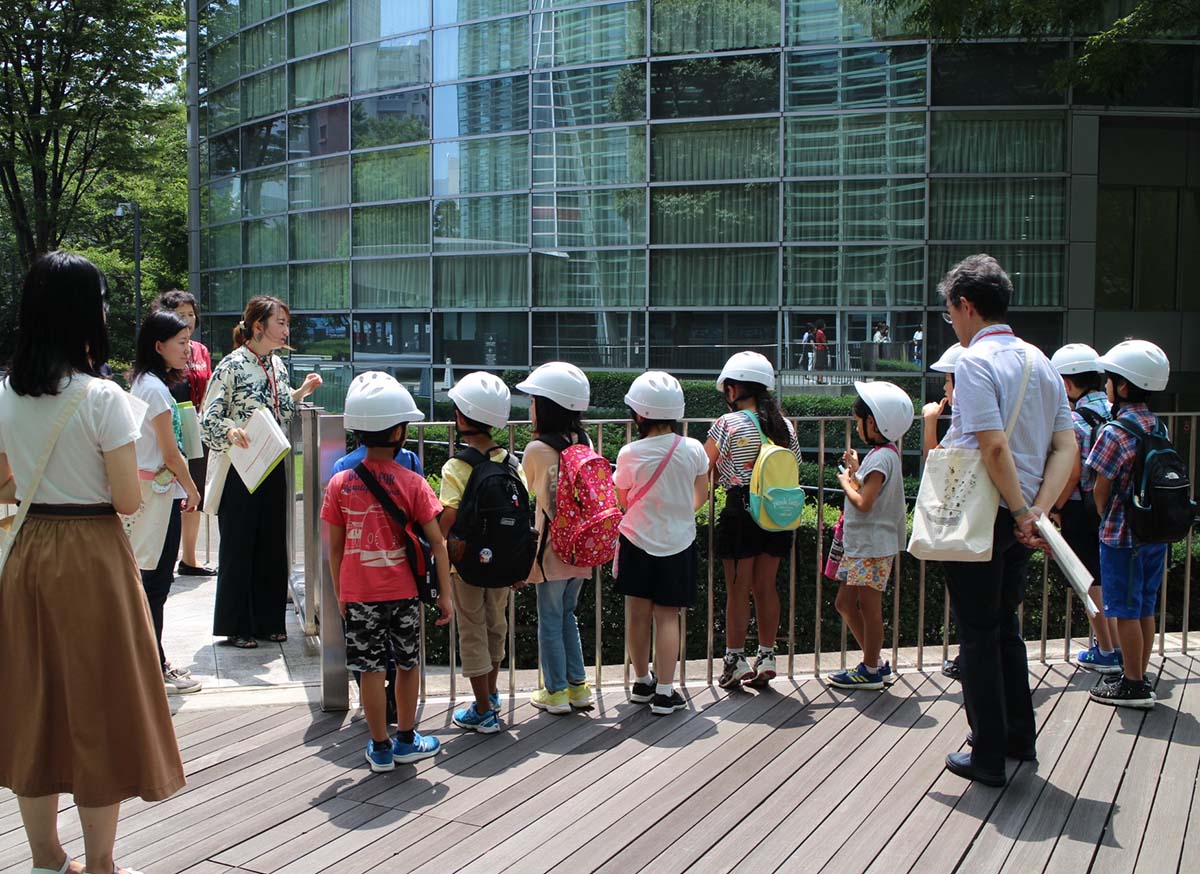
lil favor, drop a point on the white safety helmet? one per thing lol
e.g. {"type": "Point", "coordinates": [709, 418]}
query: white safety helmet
{"type": "Point", "coordinates": [949, 360]}
{"type": "Point", "coordinates": [1076, 358]}
{"type": "Point", "coordinates": [375, 401]}
{"type": "Point", "coordinates": [558, 381]}
{"type": "Point", "coordinates": [656, 395]}
{"type": "Point", "coordinates": [889, 404]}
{"type": "Point", "coordinates": [1139, 361]}
{"type": "Point", "coordinates": [747, 367]}
{"type": "Point", "coordinates": [482, 397]}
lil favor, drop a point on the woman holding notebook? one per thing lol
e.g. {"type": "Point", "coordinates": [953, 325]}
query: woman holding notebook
{"type": "Point", "coordinates": [252, 563]}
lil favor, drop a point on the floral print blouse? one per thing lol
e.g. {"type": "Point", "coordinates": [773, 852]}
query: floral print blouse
{"type": "Point", "coordinates": [240, 384]}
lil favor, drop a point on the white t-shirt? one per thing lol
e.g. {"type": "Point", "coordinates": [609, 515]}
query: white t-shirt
{"type": "Point", "coordinates": [663, 522]}
{"type": "Point", "coordinates": [157, 396]}
{"type": "Point", "coordinates": [75, 474]}
{"type": "Point", "coordinates": [881, 532]}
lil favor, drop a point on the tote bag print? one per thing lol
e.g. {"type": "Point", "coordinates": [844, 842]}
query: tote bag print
{"type": "Point", "coordinates": [956, 508]}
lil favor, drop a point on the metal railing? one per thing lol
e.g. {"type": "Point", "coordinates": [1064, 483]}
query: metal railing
{"type": "Point", "coordinates": [322, 442]}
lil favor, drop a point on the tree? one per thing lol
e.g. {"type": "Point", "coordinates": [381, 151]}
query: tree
{"type": "Point", "coordinates": [1117, 51]}
{"type": "Point", "coordinates": [76, 85]}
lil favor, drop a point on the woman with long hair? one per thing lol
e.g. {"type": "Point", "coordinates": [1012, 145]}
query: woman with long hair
{"type": "Point", "coordinates": [252, 568]}
{"type": "Point", "coordinates": [85, 710]}
{"type": "Point", "coordinates": [197, 372]}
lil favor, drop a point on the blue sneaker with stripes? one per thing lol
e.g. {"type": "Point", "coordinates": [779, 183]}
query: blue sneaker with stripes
{"type": "Point", "coordinates": [421, 748]}
{"type": "Point", "coordinates": [472, 720]}
{"type": "Point", "coordinates": [859, 678]}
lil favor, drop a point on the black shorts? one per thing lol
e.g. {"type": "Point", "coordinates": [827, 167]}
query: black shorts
{"type": "Point", "coordinates": [1081, 530]}
{"type": "Point", "coordinates": [380, 632]}
{"type": "Point", "coordinates": [668, 581]}
{"type": "Point", "coordinates": [738, 535]}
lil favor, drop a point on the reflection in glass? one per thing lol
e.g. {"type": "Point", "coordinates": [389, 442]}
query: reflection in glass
{"type": "Point", "coordinates": [884, 144]}
{"type": "Point", "coordinates": [393, 174]}
{"type": "Point", "coordinates": [481, 281]}
{"type": "Point", "coordinates": [392, 118]}
{"type": "Point", "coordinates": [320, 235]}
{"type": "Point", "coordinates": [480, 166]}
{"type": "Point", "coordinates": [566, 98]}
{"type": "Point", "coordinates": [222, 19]}
{"type": "Point", "coordinates": [318, 79]}
{"type": "Point", "coordinates": [373, 19]}
{"type": "Point", "coordinates": [224, 108]}
{"type": "Point", "coordinates": [810, 276]}
{"type": "Point", "coordinates": [224, 246]}
{"type": "Point", "coordinates": [481, 223]}
{"type": "Point", "coordinates": [318, 132]}
{"type": "Point", "coordinates": [265, 192]}
{"type": "Point", "coordinates": [223, 155]}
{"type": "Point", "coordinates": [319, 183]}
{"type": "Point", "coordinates": [264, 94]}
{"type": "Point", "coordinates": [596, 280]}
{"type": "Point", "coordinates": [263, 143]}
{"type": "Point", "coordinates": [998, 209]}
{"type": "Point", "coordinates": [588, 36]}
{"type": "Point", "coordinates": [825, 21]}
{"type": "Point", "coordinates": [714, 86]}
{"type": "Point", "coordinates": [324, 337]}
{"type": "Point", "coordinates": [681, 27]}
{"type": "Point", "coordinates": [876, 209]}
{"type": "Point", "coordinates": [1115, 248]}
{"type": "Point", "coordinates": [451, 11]}
{"type": "Point", "coordinates": [224, 291]}
{"type": "Point", "coordinates": [590, 339]}
{"type": "Point", "coordinates": [486, 107]}
{"type": "Point", "coordinates": [715, 214]}
{"type": "Point", "coordinates": [393, 63]}
{"type": "Point", "coordinates": [996, 74]}
{"type": "Point", "coordinates": [319, 28]}
{"type": "Point", "coordinates": [854, 276]}
{"type": "Point", "coordinates": [976, 142]}
{"type": "Point", "coordinates": [606, 217]}
{"type": "Point", "coordinates": [480, 49]}
{"type": "Point", "coordinates": [482, 339]}
{"type": "Point", "coordinates": [702, 341]}
{"type": "Point", "coordinates": [265, 280]}
{"type": "Point", "coordinates": [223, 64]}
{"type": "Point", "coordinates": [391, 335]}
{"type": "Point", "coordinates": [267, 241]}
{"type": "Point", "coordinates": [224, 200]}
{"type": "Point", "coordinates": [744, 149]}
{"type": "Point", "coordinates": [384, 284]}
{"type": "Point", "coordinates": [595, 156]}
{"type": "Point", "coordinates": [263, 46]}
{"type": "Point", "coordinates": [714, 277]}
{"type": "Point", "coordinates": [1038, 273]}
{"type": "Point", "coordinates": [855, 77]}
{"type": "Point", "coordinates": [323, 286]}
{"type": "Point", "coordinates": [395, 229]}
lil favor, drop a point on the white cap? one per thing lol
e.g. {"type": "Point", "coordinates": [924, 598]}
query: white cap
{"type": "Point", "coordinates": [375, 401]}
{"type": "Point", "coordinates": [889, 404]}
{"type": "Point", "coordinates": [1139, 361]}
{"type": "Point", "coordinates": [656, 395]}
{"type": "Point", "coordinates": [949, 360]}
{"type": "Point", "coordinates": [482, 397]}
{"type": "Point", "coordinates": [558, 381]}
{"type": "Point", "coordinates": [748, 367]}
{"type": "Point", "coordinates": [1076, 358]}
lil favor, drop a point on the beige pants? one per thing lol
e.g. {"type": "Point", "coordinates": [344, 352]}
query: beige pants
{"type": "Point", "coordinates": [482, 616]}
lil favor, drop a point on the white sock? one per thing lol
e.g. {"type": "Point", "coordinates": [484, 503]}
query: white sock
{"type": "Point", "coordinates": [1105, 652]}
{"type": "Point", "coordinates": [646, 680]}
{"type": "Point", "coordinates": [874, 669]}
{"type": "Point", "coordinates": [664, 689]}
{"type": "Point", "coordinates": [766, 650]}
{"type": "Point", "coordinates": [739, 652]}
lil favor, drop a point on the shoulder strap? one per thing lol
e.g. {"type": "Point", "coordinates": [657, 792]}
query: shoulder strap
{"type": "Point", "coordinates": [662, 465]}
{"type": "Point", "coordinates": [1092, 417]}
{"type": "Point", "coordinates": [557, 442]}
{"type": "Point", "coordinates": [1025, 374]}
{"type": "Point", "coordinates": [753, 417]}
{"type": "Point", "coordinates": [389, 506]}
{"type": "Point", "coordinates": [1130, 429]}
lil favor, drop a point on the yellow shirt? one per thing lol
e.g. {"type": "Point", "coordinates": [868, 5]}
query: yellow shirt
{"type": "Point", "coordinates": [455, 474]}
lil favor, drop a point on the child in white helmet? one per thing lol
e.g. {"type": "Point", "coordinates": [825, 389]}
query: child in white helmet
{"type": "Point", "coordinates": [370, 564]}
{"type": "Point", "coordinates": [481, 402]}
{"type": "Point", "coordinates": [1075, 510]}
{"type": "Point", "coordinates": [875, 525]}
{"type": "Point", "coordinates": [750, 554]}
{"type": "Point", "coordinates": [661, 480]}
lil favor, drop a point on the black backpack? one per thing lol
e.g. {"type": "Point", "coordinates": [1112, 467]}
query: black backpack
{"type": "Point", "coordinates": [492, 542]}
{"type": "Point", "coordinates": [1160, 509]}
{"type": "Point", "coordinates": [1092, 417]}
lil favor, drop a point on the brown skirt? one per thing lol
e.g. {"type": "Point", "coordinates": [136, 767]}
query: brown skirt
{"type": "Point", "coordinates": [85, 708]}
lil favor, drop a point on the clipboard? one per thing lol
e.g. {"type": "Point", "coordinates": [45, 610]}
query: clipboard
{"type": "Point", "coordinates": [1068, 562]}
{"type": "Point", "coordinates": [268, 446]}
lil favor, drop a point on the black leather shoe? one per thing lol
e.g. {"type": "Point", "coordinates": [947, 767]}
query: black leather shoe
{"type": "Point", "coordinates": [1023, 755]}
{"type": "Point", "coordinates": [960, 764]}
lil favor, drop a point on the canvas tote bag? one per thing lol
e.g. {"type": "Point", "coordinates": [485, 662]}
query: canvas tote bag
{"type": "Point", "coordinates": [957, 502]}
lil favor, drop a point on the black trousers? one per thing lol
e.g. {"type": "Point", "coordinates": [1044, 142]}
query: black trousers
{"type": "Point", "coordinates": [157, 582]}
{"type": "Point", "coordinates": [992, 658]}
{"type": "Point", "coordinates": [252, 576]}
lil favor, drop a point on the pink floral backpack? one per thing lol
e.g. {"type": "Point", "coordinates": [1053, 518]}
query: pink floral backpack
{"type": "Point", "coordinates": [584, 527]}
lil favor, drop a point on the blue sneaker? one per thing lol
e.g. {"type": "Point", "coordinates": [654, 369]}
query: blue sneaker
{"type": "Point", "coordinates": [885, 671]}
{"type": "Point", "coordinates": [421, 748]}
{"type": "Point", "coordinates": [494, 700]}
{"type": "Point", "coordinates": [380, 760]}
{"type": "Point", "coordinates": [1094, 660]}
{"type": "Point", "coordinates": [859, 678]}
{"type": "Point", "coordinates": [472, 720]}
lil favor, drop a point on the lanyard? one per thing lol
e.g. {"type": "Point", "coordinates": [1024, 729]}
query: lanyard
{"type": "Point", "coordinates": [271, 382]}
{"type": "Point", "coordinates": [1000, 331]}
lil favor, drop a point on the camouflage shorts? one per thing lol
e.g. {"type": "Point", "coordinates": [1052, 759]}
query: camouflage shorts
{"type": "Point", "coordinates": [381, 632]}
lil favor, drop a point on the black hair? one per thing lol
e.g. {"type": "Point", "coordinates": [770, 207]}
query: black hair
{"type": "Point", "coordinates": [861, 412]}
{"type": "Point", "coordinates": [381, 439]}
{"type": "Point", "coordinates": [554, 418]}
{"type": "Point", "coordinates": [159, 327]}
{"type": "Point", "coordinates": [1133, 394]}
{"type": "Point", "coordinates": [60, 324]}
{"type": "Point", "coordinates": [981, 280]}
{"type": "Point", "coordinates": [174, 299]}
{"type": "Point", "coordinates": [769, 415]}
{"type": "Point", "coordinates": [819, 324]}
{"type": "Point", "coordinates": [1092, 380]}
{"type": "Point", "coordinates": [645, 426]}
{"type": "Point", "coordinates": [474, 426]}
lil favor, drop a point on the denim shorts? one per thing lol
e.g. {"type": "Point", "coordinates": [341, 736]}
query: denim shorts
{"type": "Point", "coordinates": [1130, 579]}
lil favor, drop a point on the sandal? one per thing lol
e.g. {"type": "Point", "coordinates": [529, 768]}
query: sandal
{"type": "Point", "coordinates": [278, 638]}
{"type": "Point", "coordinates": [241, 642]}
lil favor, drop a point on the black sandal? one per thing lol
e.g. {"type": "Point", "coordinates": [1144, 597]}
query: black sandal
{"type": "Point", "coordinates": [278, 638]}
{"type": "Point", "coordinates": [191, 570]}
{"type": "Point", "coordinates": [241, 642]}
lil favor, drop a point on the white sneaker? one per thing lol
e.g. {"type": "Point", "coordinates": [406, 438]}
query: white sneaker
{"type": "Point", "coordinates": [180, 682]}
{"type": "Point", "coordinates": [764, 667]}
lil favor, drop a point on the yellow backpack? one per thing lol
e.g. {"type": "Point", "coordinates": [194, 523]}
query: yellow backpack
{"type": "Point", "coordinates": [776, 498]}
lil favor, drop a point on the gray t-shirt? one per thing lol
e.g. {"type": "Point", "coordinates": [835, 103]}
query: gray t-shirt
{"type": "Point", "coordinates": [882, 531]}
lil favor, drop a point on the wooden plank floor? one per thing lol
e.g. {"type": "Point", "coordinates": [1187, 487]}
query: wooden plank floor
{"type": "Point", "coordinates": [800, 777]}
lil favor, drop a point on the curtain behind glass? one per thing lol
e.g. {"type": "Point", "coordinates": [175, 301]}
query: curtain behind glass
{"type": "Point", "coordinates": [318, 79]}
{"type": "Point", "coordinates": [718, 214]}
{"type": "Point", "coordinates": [401, 283]}
{"type": "Point", "coordinates": [714, 277]}
{"type": "Point", "coordinates": [974, 143]}
{"type": "Point", "coordinates": [481, 281]}
{"type": "Point", "coordinates": [391, 175]}
{"type": "Point", "coordinates": [396, 229]}
{"type": "Point", "coordinates": [321, 286]}
{"type": "Point", "coordinates": [319, 28]}
{"type": "Point", "coordinates": [1038, 273]}
{"type": "Point", "coordinates": [715, 150]}
{"type": "Point", "coordinates": [998, 209]}
{"type": "Point", "coordinates": [683, 26]}
{"type": "Point", "coordinates": [589, 279]}
{"type": "Point", "coordinates": [319, 183]}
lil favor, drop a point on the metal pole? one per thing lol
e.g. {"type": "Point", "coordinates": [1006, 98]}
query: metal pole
{"type": "Point", "coordinates": [597, 580]}
{"type": "Point", "coordinates": [712, 563]}
{"type": "Point", "coordinates": [452, 628]}
{"type": "Point", "coordinates": [137, 265]}
{"type": "Point", "coordinates": [512, 603]}
{"type": "Point", "coordinates": [421, 626]}
{"type": "Point", "coordinates": [896, 618]}
{"type": "Point", "coordinates": [1046, 603]}
{"type": "Point", "coordinates": [791, 661]}
{"type": "Point", "coordinates": [1067, 630]}
{"type": "Point", "coordinates": [1187, 562]}
{"type": "Point", "coordinates": [849, 433]}
{"type": "Point", "coordinates": [921, 617]}
{"type": "Point", "coordinates": [820, 545]}
{"type": "Point", "coordinates": [945, 621]}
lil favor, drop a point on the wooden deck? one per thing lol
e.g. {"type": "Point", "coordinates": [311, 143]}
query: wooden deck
{"type": "Point", "coordinates": [797, 778]}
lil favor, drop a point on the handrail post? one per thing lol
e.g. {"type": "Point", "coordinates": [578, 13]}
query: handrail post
{"type": "Point", "coordinates": [921, 616]}
{"type": "Point", "coordinates": [1187, 561]}
{"type": "Point", "coordinates": [335, 679]}
{"type": "Point", "coordinates": [896, 617]}
{"type": "Point", "coordinates": [791, 660]}
{"type": "Point", "coordinates": [598, 586]}
{"type": "Point", "coordinates": [311, 460]}
{"type": "Point", "coordinates": [1045, 604]}
{"type": "Point", "coordinates": [421, 643]}
{"type": "Point", "coordinates": [712, 563]}
{"type": "Point", "coordinates": [1067, 630]}
{"type": "Point", "coordinates": [820, 544]}
{"type": "Point", "coordinates": [512, 598]}
{"type": "Point", "coordinates": [849, 438]}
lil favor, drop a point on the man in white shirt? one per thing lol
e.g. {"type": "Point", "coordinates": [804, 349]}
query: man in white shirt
{"type": "Point", "coordinates": [1030, 470]}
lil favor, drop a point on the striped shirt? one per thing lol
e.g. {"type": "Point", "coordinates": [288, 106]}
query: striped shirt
{"type": "Point", "coordinates": [738, 444]}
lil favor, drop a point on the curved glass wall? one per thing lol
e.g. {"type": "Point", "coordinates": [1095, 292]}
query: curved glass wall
{"type": "Point", "coordinates": [622, 183]}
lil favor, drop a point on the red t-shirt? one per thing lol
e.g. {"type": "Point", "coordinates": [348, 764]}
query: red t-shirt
{"type": "Point", "coordinates": [199, 372]}
{"type": "Point", "coordinates": [374, 564]}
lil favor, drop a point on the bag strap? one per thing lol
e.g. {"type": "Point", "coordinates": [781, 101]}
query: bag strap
{"type": "Point", "coordinates": [662, 465]}
{"type": "Point", "coordinates": [389, 506]}
{"type": "Point", "coordinates": [1026, 373]}
{"type": "Point", "coordinates": [39, 472]}
{"type": "Point", "coordinates": [474, 457]}
{"type": "Point", "coordinates": [753, 417]}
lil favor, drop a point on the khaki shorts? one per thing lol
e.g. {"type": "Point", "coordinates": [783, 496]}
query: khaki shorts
{"type": "Point", "coordinates": [482, 616]}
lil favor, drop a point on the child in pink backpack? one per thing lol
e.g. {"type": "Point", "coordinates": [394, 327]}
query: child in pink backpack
{"type": "Point", "coordinates": [560, 394]}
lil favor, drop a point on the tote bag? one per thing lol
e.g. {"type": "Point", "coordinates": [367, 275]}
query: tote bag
{"type": "Point", "coordinates": [956, 506]}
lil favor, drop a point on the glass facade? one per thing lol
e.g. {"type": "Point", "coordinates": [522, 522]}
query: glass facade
{"type": "Point", "coordinates": [622, 183]}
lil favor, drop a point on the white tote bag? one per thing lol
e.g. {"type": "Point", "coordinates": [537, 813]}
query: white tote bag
{"type": "Point", "coordinates": [956, 506]}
